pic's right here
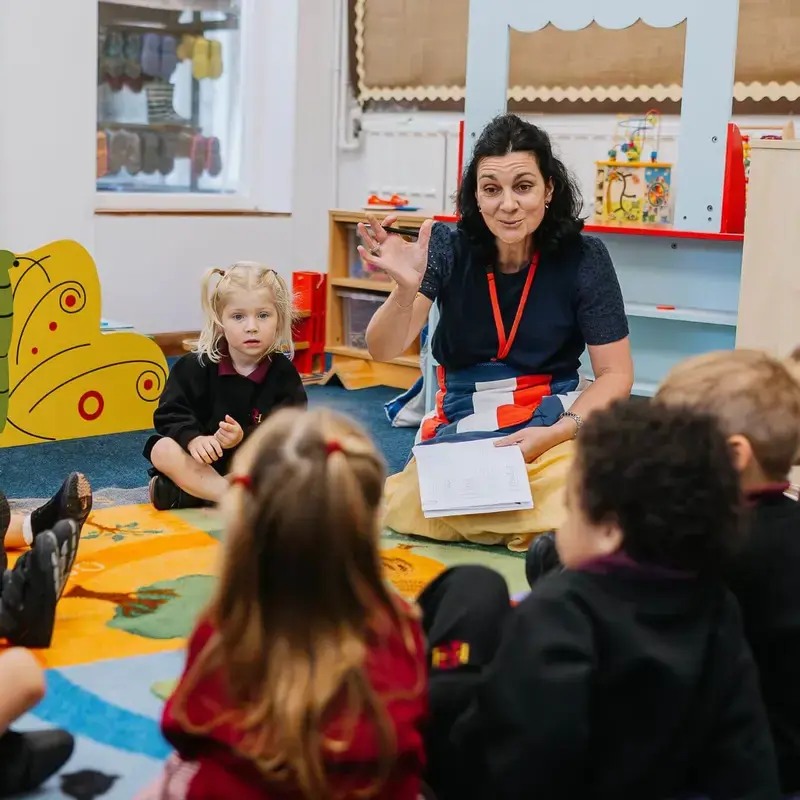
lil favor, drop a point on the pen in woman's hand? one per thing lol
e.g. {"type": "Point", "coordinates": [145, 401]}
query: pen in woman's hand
{"type": "Point", "coordinates": [412, 233]}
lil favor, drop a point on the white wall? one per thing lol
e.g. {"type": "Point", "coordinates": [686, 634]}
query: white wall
{"type": "Point", "coordinates": [47, 126]}
{"type": "Point", "coordinates": [150, 267]}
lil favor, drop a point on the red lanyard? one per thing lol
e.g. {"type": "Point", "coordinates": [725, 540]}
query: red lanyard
{"type": "Point", "coordinates": [504, 345]}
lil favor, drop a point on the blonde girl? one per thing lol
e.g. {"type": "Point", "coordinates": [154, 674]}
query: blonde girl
{"type": "Point", "coordinates": [239, 372]}
{"type": "Point", "coordinates": [306, 675]}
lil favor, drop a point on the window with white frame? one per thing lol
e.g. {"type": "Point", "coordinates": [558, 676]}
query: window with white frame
{"type": "Point", "coordinates": [169, 98]}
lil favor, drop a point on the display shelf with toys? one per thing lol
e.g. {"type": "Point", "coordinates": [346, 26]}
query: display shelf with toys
{"type": "Point", "coordinates": [681, 287]}
{"type": "Point", "coordinates": [140, 50]}
{"type": "Point", "coordinates": [353, 295]}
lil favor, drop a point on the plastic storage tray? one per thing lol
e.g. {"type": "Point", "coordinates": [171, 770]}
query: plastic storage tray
{"type": "Point", "coordinates": [357, 311]}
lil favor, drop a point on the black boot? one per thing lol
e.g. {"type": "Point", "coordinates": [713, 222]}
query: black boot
{"type": "Point", "coordinates": [72, 501]}
{"type": "Point", "coordinates": [5, 521]}
{"type": "Point", "coordinates": [5, 516]}
{"type": "Point", "coordinates": [27, 760]}
{"type": "Point", "coordinates": [68, 536]}
{"type": "Point", "coordinates": [165, 495]}
{"type": "Point", "coordinates": [542, 557]}
{"type": "Point", "coordinates": [29, 594]}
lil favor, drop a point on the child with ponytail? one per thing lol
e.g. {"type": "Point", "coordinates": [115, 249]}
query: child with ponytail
{"type": "Point", "coordinates": [306, 676]}
{"type": "Point", "coordinates": [239, 373]}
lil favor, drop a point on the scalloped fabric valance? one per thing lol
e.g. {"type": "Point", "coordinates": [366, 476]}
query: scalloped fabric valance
{"type": "Point", "coordinates": [416, 51]}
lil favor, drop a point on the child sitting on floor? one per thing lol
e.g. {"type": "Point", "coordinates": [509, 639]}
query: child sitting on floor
{"type": "Point", "coordinates": [626, 675]}
{"type": "Point", "coordinates": [306, 676]}
{"type": "Point", "coordinates": [216, 396]}
{"type": "Point", "coordinates": [756, 399]}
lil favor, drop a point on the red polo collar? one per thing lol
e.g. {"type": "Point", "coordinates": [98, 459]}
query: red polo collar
{"type": "Point", "coordinates": [766, 491]}
{"type": "Point", "coordinates": [257, 375]}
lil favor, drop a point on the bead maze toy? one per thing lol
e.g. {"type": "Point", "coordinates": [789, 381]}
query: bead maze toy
{"type": "Point", "coordinates": [61, 377]}
{"type": "Point", "coordinates": [628, 188]}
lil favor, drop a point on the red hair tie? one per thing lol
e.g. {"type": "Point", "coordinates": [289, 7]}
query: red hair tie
{"type": "Point", "coordinates": [333, 447]}
{"type": "Point", "coordinates": [245, 481]}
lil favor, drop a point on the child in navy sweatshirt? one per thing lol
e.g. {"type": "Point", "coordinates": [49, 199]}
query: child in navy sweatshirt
{"type": "Point", "coordinates": [756, 399]}
{"type": "Point", "coordinates": [217, 395]}
{"type": "Point", "coordinates": [626, 675]}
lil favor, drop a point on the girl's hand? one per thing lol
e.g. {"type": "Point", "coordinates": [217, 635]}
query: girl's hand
{"type": "Point", "coordinates": [230, 432]}
{"type": "Point", "coordinates": [205, 449]}
{"type": "Point", "coordinates": [533, 442]}
{"type": "Point", "coordinates": [403, 261]}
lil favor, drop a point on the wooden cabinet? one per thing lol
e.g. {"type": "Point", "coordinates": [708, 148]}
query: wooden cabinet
{"type": "Point", "coordinates": [769, 300]}
{"type": "Point", "coordinates": [352, 294]}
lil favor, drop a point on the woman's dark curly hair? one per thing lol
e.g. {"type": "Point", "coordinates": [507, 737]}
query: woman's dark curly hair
{"type": "Point", "coordinates": [510, 134]}
{"type": "Point", "coordinates": [666, 477]}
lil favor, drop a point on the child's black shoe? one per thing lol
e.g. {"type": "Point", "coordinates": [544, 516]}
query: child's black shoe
{"type": "Point", "coordinates": [165, 495]}
{"type": "Point", "coordinates": [68, 535]}
{"type": "Point", "coordinates": [27, 760]}
{"type": "Point", "coordinates": [29, 594]}
{"type": "Point", "coordinates": [5, 521]}
{"type": "Point", "coordinates": [72, 501]}
{"type": "Point", "coordinates": [542, 557]}
{"type": "Point", "coordinates": [5, 516]}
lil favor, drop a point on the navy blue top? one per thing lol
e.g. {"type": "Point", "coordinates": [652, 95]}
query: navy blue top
{"type": "Point", "coordinates": [574, 300]}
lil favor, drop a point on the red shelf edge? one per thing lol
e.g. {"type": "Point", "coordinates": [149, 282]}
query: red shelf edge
{"type": "Point", "coordinates": [626, 230]}
{"type": "Point", "coordinates": [665, 233]}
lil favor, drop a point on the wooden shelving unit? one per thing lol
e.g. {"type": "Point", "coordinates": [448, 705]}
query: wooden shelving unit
{"type": "Point", "coordinates": [354, 366]}
{"type": "Point", "coordinates": [768, 317]}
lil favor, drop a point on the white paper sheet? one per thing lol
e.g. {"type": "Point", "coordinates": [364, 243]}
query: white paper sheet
{"type": "Point", "coordinates": [471, 478]}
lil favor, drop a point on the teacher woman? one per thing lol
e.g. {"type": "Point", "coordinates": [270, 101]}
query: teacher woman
{"type": "Point", "coordinates": [521, 294]}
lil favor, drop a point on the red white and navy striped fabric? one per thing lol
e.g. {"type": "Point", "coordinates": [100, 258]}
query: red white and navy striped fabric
{"type": "Point", "coordinates": [494, 399]}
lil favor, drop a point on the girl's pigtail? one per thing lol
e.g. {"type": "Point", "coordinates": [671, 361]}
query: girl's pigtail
{"type": "Point", "coordinates": [208, 342]}
{"type": "Point", "coordinates": [282, 295]}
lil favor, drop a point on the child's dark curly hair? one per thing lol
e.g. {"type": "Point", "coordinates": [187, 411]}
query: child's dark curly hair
{"type": "Point", "coordinates": [667, 478]}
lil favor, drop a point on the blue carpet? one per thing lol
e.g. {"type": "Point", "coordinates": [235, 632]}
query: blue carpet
{"type": "Point", "coordinates": [36, 470]}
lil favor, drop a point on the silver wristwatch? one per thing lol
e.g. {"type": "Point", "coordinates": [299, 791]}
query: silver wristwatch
{"type": "Point", "coordinates": [576, 418]}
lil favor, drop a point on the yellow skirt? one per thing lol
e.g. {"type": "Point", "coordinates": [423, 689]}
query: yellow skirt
{"type": "Point", "coordinates": [515, 529]}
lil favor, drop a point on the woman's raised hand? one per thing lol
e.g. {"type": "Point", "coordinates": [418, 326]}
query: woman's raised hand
{"type": "Point", "coordinates": [403, 261]}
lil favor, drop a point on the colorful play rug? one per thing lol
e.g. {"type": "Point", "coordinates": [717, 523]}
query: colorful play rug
{"type": "Point", "coordinates": [139, 582]}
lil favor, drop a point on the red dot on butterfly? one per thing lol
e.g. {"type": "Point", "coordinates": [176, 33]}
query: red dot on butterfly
{"type": "Point", "coordinates": [70, 300]}
{"type": "Point", "coordinates": [53, 326]}
{"type": "Point", "coordinates": [148, 385]}
{"type": "Point", "coordinates": [35, 350]}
